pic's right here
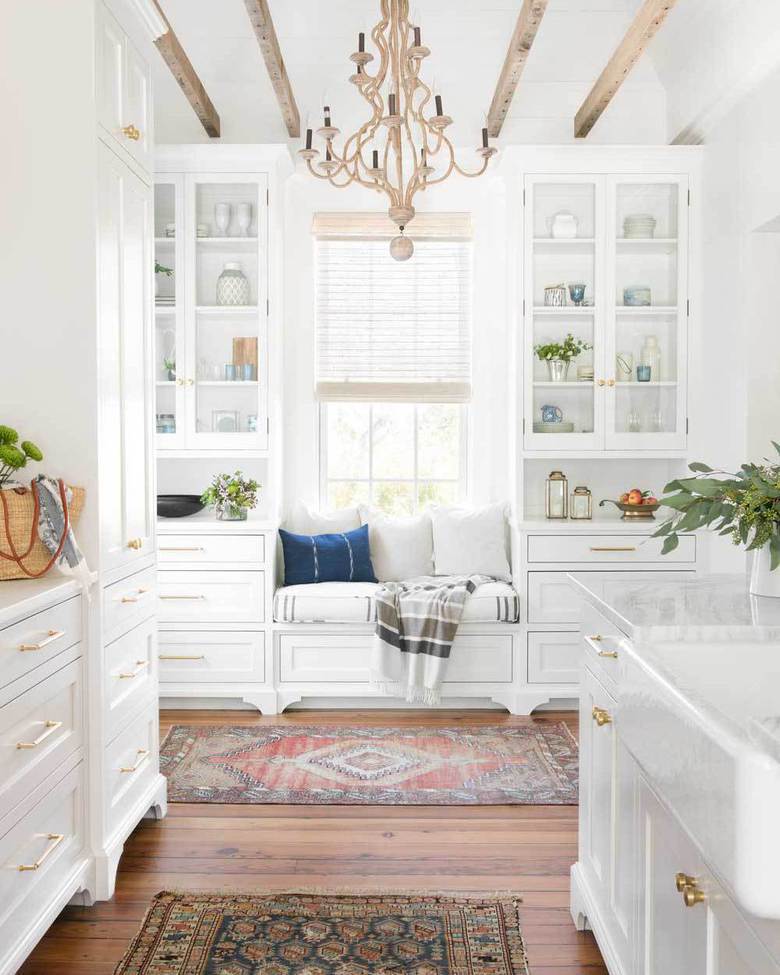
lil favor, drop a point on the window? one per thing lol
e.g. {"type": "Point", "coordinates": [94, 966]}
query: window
{"type": "Point", "coordinates": [393, 369]}
{"type": "Point", "coordinates": [399, 457]}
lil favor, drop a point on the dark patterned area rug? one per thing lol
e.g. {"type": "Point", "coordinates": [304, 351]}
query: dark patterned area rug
{"type": "Point", "coordinates": [529, 764]}
{"type": "Point", "coordinates": [308, 934]}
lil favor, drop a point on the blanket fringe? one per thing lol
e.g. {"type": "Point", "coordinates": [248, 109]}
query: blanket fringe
{"type": "Point", "coordinates": [412, 695]}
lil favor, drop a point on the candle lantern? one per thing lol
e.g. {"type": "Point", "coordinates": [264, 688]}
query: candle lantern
{"type": "Point", "coordinates": [581, 503]}
{"type": "Point", "coordinates": [556, 495]}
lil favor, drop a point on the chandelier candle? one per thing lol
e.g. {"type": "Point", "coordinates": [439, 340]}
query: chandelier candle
{"type": "Point", "coordinates": [401, 129]}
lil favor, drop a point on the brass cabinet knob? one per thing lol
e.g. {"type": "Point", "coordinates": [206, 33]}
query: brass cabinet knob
{"type": "Point", "coordinates": [601, 716]}
{"type": "Point", "coordinates": [131, 132]}
{"type": "Point", "coordinates": [179, 382]}
{"type": "Point", "coordinates": [693, 895]}
{"type": "Point", "coordinates": [610, 383]}
{"type": "Point", "coordinates": [602, 382]}
{"type": "Point", "coordinates": [683, 880]}
{"type": "Point", "coordinates": [135, 543]}
{"type": "Point", "coordinates": [189, 382]}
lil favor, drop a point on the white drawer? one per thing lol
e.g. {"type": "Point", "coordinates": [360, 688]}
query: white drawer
{"type": "Point", "coordinates": [131, 764]}
{"type": "Point", "coordinates": [39, 728]}
{"type": "Point", "coordinates": [130, 674]}
{"type": "Point", "coordinates": [554, 658]}
{"type": "Point", "coordinates": [50, 833]}
{"type": "Point", "coordinates": [33, 641]}
{"type": "Point", "coordinates": [343, 658]}
{"type": "Point", "coordinates": [187, 549]}
{"type": "Point", "coordinates": [199, 596]}
{"type": "Point", "coordinates": [213, 656]}
{"type": "Point", "coordinates": [607, 548]}
{"type": "Point", "coordinates": [128, 602]}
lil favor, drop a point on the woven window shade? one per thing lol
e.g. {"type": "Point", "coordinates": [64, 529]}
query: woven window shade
{"type": "Point", "coordinates": [392, 331]}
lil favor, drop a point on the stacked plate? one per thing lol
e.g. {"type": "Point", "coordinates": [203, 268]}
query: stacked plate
{"type": "Point", "coordinates": [639, 225]}
{"type": "Point", "coordinates": [565, 426]}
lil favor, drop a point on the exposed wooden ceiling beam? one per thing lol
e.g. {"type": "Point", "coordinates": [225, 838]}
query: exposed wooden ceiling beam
{"type": "Point", "coordinates": [263, 26]}
{"type": "Point", "coordinates": [182, 70]}
{"type": "Point", "coordinates": [647, 21]}
{"type": "Point", "coordinates": [528, 21]}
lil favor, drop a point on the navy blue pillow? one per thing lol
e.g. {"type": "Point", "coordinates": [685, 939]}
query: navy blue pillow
{"type": "Point", "coordinates": [340, 557]}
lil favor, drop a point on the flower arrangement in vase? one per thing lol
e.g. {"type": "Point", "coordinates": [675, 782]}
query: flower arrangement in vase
{"type": "Point", "coordinates": [14, 455]}
{"type": "Point", "coordinates": [231, 495]}
{"type": "Point", "coordinates": [744, 506]}
{"type": "Point", "coordinates": [559, 356]}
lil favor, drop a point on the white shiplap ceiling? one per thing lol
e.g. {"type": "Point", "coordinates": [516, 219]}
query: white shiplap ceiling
{"type": "Point", "coordinates": [468, 41]}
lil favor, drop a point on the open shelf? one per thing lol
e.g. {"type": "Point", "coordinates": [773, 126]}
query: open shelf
{"type": "Point", "coordinates": [565, 309]}
{"type": "Point", "coordinates": [633, 384]}
{"type": "Point", "coordinates": [549, 384]}
{"type": "Point", "coordinates": [646, 309]}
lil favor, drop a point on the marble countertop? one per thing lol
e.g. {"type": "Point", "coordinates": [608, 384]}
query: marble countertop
{"type": "Point", "coordinates": [207, 522]}
{"type": "Point", "coordinates": [20, 598]}
{"type": "Point", "coordinates": [598, 524]}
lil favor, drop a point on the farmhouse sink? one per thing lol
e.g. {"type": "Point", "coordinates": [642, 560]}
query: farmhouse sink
{"type": "Point", "coordinates": [702, 717]}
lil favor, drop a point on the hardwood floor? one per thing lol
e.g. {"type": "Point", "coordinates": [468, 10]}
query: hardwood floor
{"type": "Point", "coordinates": [525, 849]}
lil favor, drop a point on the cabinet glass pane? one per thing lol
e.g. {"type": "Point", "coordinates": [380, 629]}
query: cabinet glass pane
{"type": "Point", "coordinates": [165, 351]}
{"type": "Point", "coordinates": [646, 244]}
{"type": "Point", "coordinates": [563, 402]}
{"type": "Point", "coordinates": [227, 289]}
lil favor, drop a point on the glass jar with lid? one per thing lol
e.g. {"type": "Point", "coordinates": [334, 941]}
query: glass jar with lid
{"type": "Point", "coordinates": [556, 496]}
{"type": "Point", "coordinates": [581, 504]}
{"type": "Point", "coordinates": [232, 285]}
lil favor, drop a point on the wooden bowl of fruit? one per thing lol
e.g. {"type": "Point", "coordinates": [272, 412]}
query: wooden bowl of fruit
{"type": "Point", "coordinates": [635, 504]}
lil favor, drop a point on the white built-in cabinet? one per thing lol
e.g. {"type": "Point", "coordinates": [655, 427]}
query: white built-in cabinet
{"type": "Point", "coordinates": [635, 855]}
{"type": "Point", "coordinates": [125, 413]}
{"type": "Point", "coordinates": [123, 89]}
{"type": "Point", "coordinates": [207, 404]}
{"type": "Point", "coordinates": [611, 408]}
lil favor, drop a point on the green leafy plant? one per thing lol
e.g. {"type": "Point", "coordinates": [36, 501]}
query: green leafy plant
{"type": "Point", "coordinates": [14, 455]}
{"type": "Point", "coordinates": [162, 269]}
{"type": "Point", "coordinates": [744, 505]}
{"type": "Point", "coordinates": [169, 363]}
{"type": "Point", "coordinates": [565, 351]}
{"type": "Point", "coordinates": [231, 491]}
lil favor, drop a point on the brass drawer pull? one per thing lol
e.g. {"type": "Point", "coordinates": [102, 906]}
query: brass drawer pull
{"type": "Point", "coordinates": [55, 840]}
{"type": "Point", "coordinates": [601, 716]}
{"type": "Point", "coordinates": [613, 548]}
{"type": "Point", "coordinates": [50, 638]}
{"type": "Point", "coordinates": [140, 665]}
{"type": "Point", "coordinates": [182, 548]}
{"type": "Point", "coordinates": [182, 656]}
{"type": "Point", "coordinates": [692, 895]}
{"type": "Point", "coordinates": [143, 755]}
{"type": "Point", "coordinates": [183, 597]}
{"type": "Point", "coordinates": [611, 654]}
{"type": "Point", "coordinates": [142, 591]}
{"type": "Point", "coordinates": [597, 638]}
{"type": "Point", "coordinates": [49, 728]}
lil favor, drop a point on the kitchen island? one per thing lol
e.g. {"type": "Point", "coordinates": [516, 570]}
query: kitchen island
{"type": "Point", "coordinates": [680, 775]}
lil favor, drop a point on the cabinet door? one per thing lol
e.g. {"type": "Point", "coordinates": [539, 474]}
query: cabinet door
{"type": "Point", "coordinates": [110, 71]}
{"type": "Point", "coordinates": [564, 410]}
{"type": "Point", "coordinates": [136, 107]}
{"type": "Point", "coordinates": [124, 415]}
{"type": "Point", "coordinates": [673, 937]}
{"type": "Point", "coordinates": [646, 312]}
{"type": "Point", "coordinates": [227, 353]}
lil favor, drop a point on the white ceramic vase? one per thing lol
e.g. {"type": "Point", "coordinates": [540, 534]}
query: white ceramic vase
{"type": "Point", "coordinates": [764, 582]}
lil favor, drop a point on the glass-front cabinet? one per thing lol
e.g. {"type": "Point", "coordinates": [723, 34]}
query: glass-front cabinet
{"type": "Point", "coordinates": [211, 313]}
{"type": "Point", "coordinates": [605, 312]}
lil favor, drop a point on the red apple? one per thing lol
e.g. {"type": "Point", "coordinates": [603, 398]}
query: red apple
{"type": "Point", "coordinates": [634, 496]}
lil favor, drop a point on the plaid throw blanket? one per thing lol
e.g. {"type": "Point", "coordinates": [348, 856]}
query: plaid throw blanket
{"type": "Point", "coordinates": [416, 623]}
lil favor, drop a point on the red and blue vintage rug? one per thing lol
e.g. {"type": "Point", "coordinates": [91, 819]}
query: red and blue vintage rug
{"type": "Point", "coordinates": [528, 764]}
{"type": "Point", "coordinates": [307, 934]}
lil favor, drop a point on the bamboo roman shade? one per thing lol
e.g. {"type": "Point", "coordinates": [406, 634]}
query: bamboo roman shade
{"type": "Point", "coordinates": [392, 331]}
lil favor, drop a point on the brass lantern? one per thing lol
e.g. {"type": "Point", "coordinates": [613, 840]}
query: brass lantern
{"type": "Point", "coordinates": [581, 504]}
{"type": "Point", "coordinates": [556, 495]}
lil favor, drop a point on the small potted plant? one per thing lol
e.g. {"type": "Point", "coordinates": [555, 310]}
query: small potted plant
{"type": "Point", "coordinates": [169, 365]}
{"type": "Point", "coordinates": [14, 455]}
{"type": "Point", "coordinates": [559, 356]}
{"type": "Point", "coordinates": [161, 269]}
{"type": "Point", "coordinates": [232, 496]}
{"type": "Point", "coordinates": [744, 506]}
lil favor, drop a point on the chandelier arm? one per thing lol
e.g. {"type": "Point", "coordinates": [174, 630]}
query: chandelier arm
{"type": "Point", "coordinates": [473, 175]}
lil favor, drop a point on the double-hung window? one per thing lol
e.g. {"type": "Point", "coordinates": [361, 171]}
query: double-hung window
{"type": "Point", "coordinates": [393, 361]}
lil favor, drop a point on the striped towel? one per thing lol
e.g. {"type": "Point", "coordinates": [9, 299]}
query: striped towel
{"type": "Point", "coordinates": [416, 623]}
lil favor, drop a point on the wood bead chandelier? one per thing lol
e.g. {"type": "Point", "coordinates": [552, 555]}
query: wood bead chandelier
{"type": "Point", "coordinates": [402, 148]}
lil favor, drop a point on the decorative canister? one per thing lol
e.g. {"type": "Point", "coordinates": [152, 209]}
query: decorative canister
{"type": "Point", "coordinates": [564, 225]}
{"type": "Point", "coordinates": [556, 495]}
{"type": "Point", "coordinates": [555, 295]}
{"type": "Point", "coordinates": [581, 504]}
{"type": "Point", "coordinates": [232, 286]}
{"type": "Point", "coordinates": [636, 296]}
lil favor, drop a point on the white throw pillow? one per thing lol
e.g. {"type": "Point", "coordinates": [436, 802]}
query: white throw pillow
{"type": "Point", "coordinates": [304, 520]}
{"type": "Point", "coordinates": [471, 540]}
{"type": "Point", "coordinates": [401, 548]}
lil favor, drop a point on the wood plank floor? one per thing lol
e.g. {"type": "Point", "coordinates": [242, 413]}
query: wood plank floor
{"type": "Point", "coordinates": [525, 849]}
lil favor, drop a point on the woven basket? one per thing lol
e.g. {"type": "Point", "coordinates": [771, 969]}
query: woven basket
{"type": "Point", "coordinates": [23, 530]}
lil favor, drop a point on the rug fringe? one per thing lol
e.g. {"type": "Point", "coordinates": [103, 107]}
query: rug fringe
{"type": "Point", "coordinates": [475, 895]}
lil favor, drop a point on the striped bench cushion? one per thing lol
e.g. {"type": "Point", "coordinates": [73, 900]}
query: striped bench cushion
{"type": "Point", "coordinates": [353, 602]}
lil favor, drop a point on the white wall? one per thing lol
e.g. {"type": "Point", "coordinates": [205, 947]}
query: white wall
{"type": "Point", "coordinates": [490, 408]}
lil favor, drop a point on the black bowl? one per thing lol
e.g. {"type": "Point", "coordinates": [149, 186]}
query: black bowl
{"type": "Point", "coordinates": [178, 505]}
